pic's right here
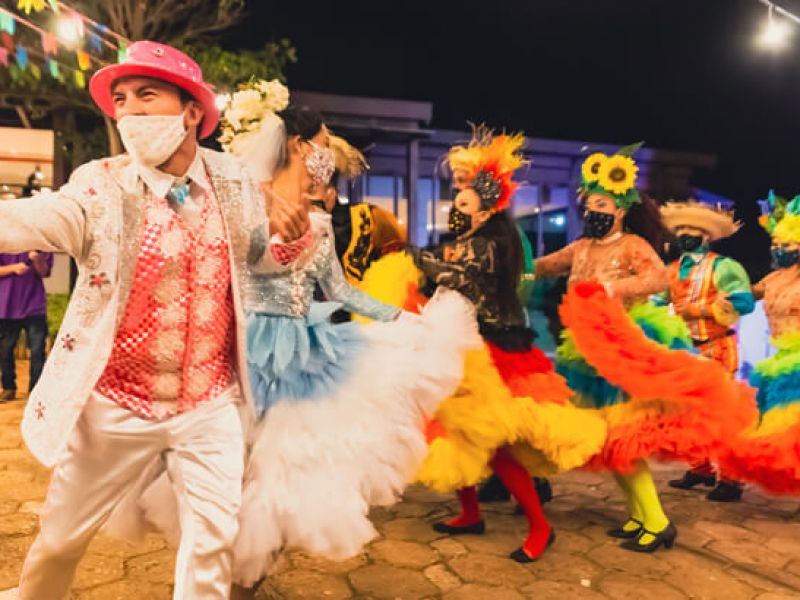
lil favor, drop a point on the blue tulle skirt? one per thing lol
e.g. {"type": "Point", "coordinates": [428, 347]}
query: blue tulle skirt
{"type": "Point", "coordinates": [300, 359]}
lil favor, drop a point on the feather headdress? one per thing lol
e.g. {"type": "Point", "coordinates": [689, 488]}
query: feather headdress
{"type": "Point", "coordinates": [490, 162]}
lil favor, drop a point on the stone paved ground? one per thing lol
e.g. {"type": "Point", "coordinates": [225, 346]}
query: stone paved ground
{"type": "Point", "coordinates": [749, 550]}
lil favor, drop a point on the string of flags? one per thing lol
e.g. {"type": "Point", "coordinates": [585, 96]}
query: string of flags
{"type": "Point", "coordinates": [77, 46]}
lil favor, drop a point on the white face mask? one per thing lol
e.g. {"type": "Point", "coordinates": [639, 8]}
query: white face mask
{"type": "Point", "coordinates": [320, 164]}
{"type": "Point", "coordinates": [152, 139]}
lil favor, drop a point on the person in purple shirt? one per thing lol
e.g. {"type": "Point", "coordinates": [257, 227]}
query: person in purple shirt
{"type": "Point", "coordinates": [23, 305]}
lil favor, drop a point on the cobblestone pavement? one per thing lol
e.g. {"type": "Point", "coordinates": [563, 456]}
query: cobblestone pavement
{"type": "Point", "coordinates": [748, 550]}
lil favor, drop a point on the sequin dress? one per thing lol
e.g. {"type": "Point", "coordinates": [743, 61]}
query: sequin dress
{"type": "Point", "coordinates": [342, 407]}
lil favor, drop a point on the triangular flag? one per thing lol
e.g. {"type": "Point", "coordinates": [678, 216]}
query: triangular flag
{"type": "Point", "coordinates": [36, 72]}
{"type": "Point", "coordinates": [80, 79]}
{"type": "Point", "coordinates": [4, 57]}
{"type": "Point", "coordinates": [55, 72]}
{"type": "Point", "coordinates": [22, 57]}
{"type": "Point", "coordinates": [7, 41]}
{"type": "Point", "coordinates": [84, 60]}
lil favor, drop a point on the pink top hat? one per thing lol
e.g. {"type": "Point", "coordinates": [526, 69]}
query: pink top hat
{"type": "Point", "coordinates": [159, 61]}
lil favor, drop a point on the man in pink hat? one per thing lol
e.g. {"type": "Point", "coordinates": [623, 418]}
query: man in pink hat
{"type": "Point", "coordinates": [149, 362]}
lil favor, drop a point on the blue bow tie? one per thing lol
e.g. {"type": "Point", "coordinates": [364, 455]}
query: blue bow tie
{"type": "Point", "coordinates": [178, 194]}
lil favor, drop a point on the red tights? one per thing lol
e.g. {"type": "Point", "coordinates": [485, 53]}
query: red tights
{"type": "Point", "coordinates": [518, 481]}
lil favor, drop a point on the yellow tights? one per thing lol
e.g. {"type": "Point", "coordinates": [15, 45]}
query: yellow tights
{"type": "Point", "coordinates": [644, 505]}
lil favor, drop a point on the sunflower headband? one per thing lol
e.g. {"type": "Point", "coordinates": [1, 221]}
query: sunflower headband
{"type": "Point", "coordinates": [490, 162]}
{"type": "Point", "coordinates": [614, 176]}
{"type": "Point", "coordinates": [781, 218]}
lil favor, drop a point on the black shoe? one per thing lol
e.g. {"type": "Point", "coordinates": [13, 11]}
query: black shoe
{"type": "Point", "coordinates": [544, 490]}
{"type": "Point", "coordinates": [520, 556]}
{"type": "Point", "coordinates": [664, 538]}
{"type": "Point", "coordinates": [726, 491]}
{"type": "Point", "coordinates": [476, 528]}
{"type": "Point", "coordinates": [691, 479]}
{"type": "Point", "coordinates": [493, 490]}
{"type": "Point", "coordinates": [621, 533]}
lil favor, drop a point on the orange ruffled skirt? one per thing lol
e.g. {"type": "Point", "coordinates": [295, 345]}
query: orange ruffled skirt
{"type": "Point", "coordinates": [672, 405]}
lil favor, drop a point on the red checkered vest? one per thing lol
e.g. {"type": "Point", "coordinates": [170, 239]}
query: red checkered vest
{"type": "Point", "coordinates": [172, 349]}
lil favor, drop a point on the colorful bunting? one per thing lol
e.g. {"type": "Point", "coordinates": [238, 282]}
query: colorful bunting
{"type": "Point", "coordinates": [49, 43]}
{"type": "Point", "coordinates": [95, 42]}
{"type": "Point", "coordinates": [55, 72]}
{"type": "Point", "coordinates": [122, 53]}
{"type": "Point", "coordinates": [73, 32]}
{"type": "Point", "coordinates": [7, 22]}
{"type": "Point", "coordinates": [22, 57]}
{"type": "Point", "coordinates": [28, 5]}
{"type": "Point", "coordinates": [84, 60]}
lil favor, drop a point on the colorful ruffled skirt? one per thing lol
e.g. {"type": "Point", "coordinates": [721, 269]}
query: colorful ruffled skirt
{"type": "Point", "coordinates": [636, 370]}
{"type": "Point", "coordinates": [768, 453]}
{"type": "Point", "coordinates": [513, 399]}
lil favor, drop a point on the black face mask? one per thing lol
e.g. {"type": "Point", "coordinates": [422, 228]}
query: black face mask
{"type": "Point", "coordinates": [458, 222]}
{"type": "Point", "coordinates": [597, 225]}
{"type": "Point", "coordinates": [783, 259]}
{"type": "Point", "coordinates": [689, 243]}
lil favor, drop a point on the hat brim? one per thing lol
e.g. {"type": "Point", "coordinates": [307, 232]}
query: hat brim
{"type": "Point", "coordinates": [716, 224]}
{"type": "Point", "coordinates": [101, 82]}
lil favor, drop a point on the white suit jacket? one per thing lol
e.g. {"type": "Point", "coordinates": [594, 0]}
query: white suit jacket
{"type": "Point", "coordinates": [98, 222]}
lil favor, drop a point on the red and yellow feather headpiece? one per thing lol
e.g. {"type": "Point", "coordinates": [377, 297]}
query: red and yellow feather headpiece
{"type": "Point", "coordinates": [490, 162]}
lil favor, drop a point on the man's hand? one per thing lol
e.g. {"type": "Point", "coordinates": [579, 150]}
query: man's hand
{"type": "Point", "coordinates": [288, 217]}
{"type": "Point", "coordinates": [33, 254]}
{"type": "Point", "coordinates": [20, 268]}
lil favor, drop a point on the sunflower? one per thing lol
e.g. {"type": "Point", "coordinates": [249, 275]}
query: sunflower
{"type": "Point", "coordinates": [618, 174]}
{"type": "Point", "coordinates": [591, 167]}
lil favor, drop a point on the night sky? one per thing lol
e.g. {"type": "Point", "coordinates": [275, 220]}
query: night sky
{"type": "Point", "coordinates": [680, 74]}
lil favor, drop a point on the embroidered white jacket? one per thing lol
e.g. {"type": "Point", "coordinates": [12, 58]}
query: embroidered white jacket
{"type": "Point", "coordinates": [98, 222]}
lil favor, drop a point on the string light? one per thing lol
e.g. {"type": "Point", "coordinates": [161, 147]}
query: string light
{"type": "Point", "coordinates": [777, 31]}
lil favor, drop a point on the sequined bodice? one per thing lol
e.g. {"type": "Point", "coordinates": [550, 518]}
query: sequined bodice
{"type": "Point", "coordinates": [291, 292]}
{"type": "Point", "coordinates": [781, 293]}
{"type": "Point", "coordinates": [628, 264]}
{"type": "Point", "coordinates": [469, 266]}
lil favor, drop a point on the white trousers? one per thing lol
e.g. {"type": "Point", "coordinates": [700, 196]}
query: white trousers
{"type": "Point", "coordinates": [110, 448]}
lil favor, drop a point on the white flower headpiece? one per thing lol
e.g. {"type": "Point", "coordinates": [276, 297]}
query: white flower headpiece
{"type": "Point", "coordinates": [248, 106]}
{"type": "Point", "coordinates": [251, 129]}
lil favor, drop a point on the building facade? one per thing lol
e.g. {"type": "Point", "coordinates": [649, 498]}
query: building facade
{"type": "Point", "coordinates": [407, 176]}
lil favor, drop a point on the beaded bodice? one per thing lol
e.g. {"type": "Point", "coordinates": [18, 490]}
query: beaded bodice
{"type": "Point", "coordinates": [290, 292]}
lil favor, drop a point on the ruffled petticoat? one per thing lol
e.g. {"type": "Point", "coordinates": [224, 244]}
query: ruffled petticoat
{"type": "Point", "coordinates": [506, 398]}
{"type": "Point", "coordinates": [768, 453]}
{"type": "Point", "coordinates": [659, 400]}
